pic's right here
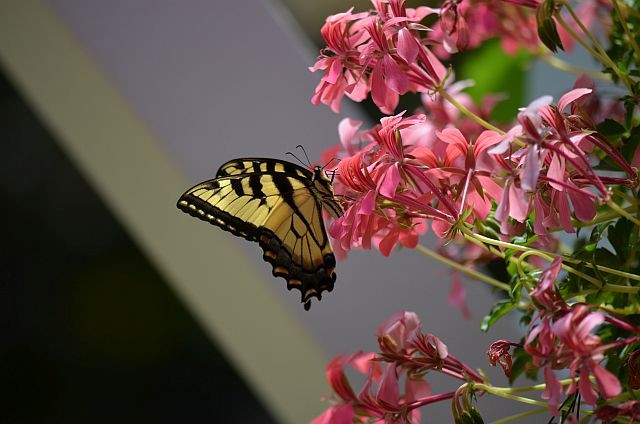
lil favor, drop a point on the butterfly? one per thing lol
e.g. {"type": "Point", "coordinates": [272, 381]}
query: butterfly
{"type": "Point", "coordinates": [279, 205]}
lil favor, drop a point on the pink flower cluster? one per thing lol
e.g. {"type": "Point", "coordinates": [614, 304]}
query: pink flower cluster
{"type": "Point", "coordinates": [378, 52]}
{"type": "Point", "coordinates": [439, 164]}
{"type": "Point", "coordinates": [388, 52]}
{"type": "Point", "coordinates": [561, 336]}
{"type": "Point", "coordinates": [404, 352]}
{"type": "Point", "coordinates": [467, 24]}
{"type": "Point", "coordinates": [396, 176]}
{"type": "Point", "coordinates": [444, 167]}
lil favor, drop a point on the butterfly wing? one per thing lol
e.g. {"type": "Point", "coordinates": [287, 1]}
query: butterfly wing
{"type": "Point", "coordinates": [295, 242]}
{"type": "Point", "coordinates": [275, 204]}
{"type": "Point", "coordinates": [262, 166]}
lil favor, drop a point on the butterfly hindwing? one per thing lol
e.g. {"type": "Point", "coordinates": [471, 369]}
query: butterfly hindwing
{"type": "Point", "coordinates": [295, 242]}
{"type": "Point", "coordinates": [279, 205]}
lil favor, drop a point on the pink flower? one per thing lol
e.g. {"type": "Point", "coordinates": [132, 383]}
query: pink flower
{"type": "Point", "coordinates": [387, 188]}
{"type": "Point", "coordinates": [379, 52]}
{"type": "Point", "coordinates": [432, 347]}
{"type": "Point", "coordinates": [338, 414]}
{"type": "Point", "coordinates": [454, 26]}
{"type": "Point", "coordinates": [540, 342]}
{"type": "Point", "coordinates": [399, 331]}
{"type": "Point", "coordinates": [546, 293]}
{"type": "Point", "coordinates": [344, 409]}
{"type": "Point", "coordinates": [458, 295]}
{"type": "Point", "coordinates": [467, 24]}
{"type": "Point", "coordinates": [416, 389]}
{"type": "Point", "coordinates": [343, 33]}
{"type": "Point", "coordinates": [338, 380]}
{"type": "Point", "coordinates": [568, 341]}
{"type": "Point", "coordinates": [409, 356]}
{"type": "Point", "coordinates": [575, 332]}
{"type": "Point", "coordinates": [553, 391]}
{"type": "Point", "coordinates": [387, 405]}
{"type": "Point", "coordinates": [471, 171]}
{"type": "Point", "coordinates": [553, 174]}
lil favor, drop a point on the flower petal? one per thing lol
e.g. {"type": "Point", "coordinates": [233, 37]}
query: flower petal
{"type": "Point", "coordinates": [407, 45]}
{"type": "Point", "coordinates": [607, 382]}
{"type": "Point", "coordinates": [388, 184]}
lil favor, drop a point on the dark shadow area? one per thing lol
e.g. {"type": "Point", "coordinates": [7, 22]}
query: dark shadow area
{"type": "Point", "coordinates": [90, 331]}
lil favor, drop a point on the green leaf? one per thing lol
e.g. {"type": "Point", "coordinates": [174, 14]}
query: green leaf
{"type": "Point", "coordinates": [500, 309]}
{"type": "Point", "coordinates": [620, 49]}
{"type": "Point", "coordinates": [521, 361]}
{"type": "Point", "coordinates": [618, 236]}
{"type": "Point", "coordinates": [631, 143]}
{"type": "Point", "coordinates": [597, 298]}
{"type": "Point", "coordinates": [605, 257]}
{"type": "Point", "coordinates": [610, 128]}
{"type": "Point", "coordinates": [594, 238]}
{"type": "Point", "coordinates": [476, 418]}
{"type": "Point", "coordinates": [496, 72]}
{"type": "Point", "coordinates": [516, 289]}
{"type": "Point", "coordinates": [547, 26]}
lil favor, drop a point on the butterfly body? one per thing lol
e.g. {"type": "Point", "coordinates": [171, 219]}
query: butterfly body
{"type": "Point", "coordinates": [279, 205]}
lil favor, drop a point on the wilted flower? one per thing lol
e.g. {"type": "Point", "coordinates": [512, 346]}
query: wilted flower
{"type": "Point", "coordinates": [498, 354]}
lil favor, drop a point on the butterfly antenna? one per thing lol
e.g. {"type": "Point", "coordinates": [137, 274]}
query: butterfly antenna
{"type": "Point", "coordinates": [297, 158]}
{"type": "Point", "coordinates": [299, 146]}
{"type": "Point", "coordinates": [329, 163]}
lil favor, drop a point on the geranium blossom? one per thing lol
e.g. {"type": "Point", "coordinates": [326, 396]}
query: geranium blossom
{"type": "Point", "coordinates": [406, 351]}
{"type": "Point", "coordinates": [511, 193]}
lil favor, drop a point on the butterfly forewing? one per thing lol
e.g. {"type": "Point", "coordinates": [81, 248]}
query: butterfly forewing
{"type": "Point", "coordinates": [263, 166]}
{"type": "Point", "coordinates": [279, 205]}
{"type": "Point", "coordinates": [223, 202]}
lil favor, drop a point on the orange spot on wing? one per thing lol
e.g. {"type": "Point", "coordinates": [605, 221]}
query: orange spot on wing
{"type": "Point", "coordinates": [295, 282]}
{"type": "Point", "coordinates": [281, 270]}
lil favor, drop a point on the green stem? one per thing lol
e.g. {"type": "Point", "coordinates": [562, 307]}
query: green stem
{"type": "Point", "coordinates": [630, 36]}
{"type": "Point", "coordinates": [626, 196]}
{"type": "Point", "coordinates": [617, 208]}
{"type": "Point", "coordinates": [517, 417]}
{"type": "Point", "coordinates": [602, 217]}
{"type": "Point", "coordinates": [506, 393]}
{"type": "Point", "coordinates": [599, 52]}
{"type": "Point", "coordinates": [463, 269]}
{"type": "Point", "coordinates": [482, 240]}
{"type": "Point", "coordinates": [568, 67]}
{"type": "Point", "coordinates": [578, 39]}
{"type": "Point", "coordinates": [462, 108]}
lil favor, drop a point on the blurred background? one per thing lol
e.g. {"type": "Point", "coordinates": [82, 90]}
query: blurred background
{"type": "Point", "coordinates": [115, 306]}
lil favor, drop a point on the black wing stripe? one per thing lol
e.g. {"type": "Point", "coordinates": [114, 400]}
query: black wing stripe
{"type": "Point", "coordinates": [263, 166]}
{"type": "Point", "coordinates": [218, 217]}
{"type": "Point", "coordinates": [236, 184]}
{"type": "Point", "coordinates": [307, 222]}
{"type": "Point", "coordinates": [285, 189]}
{"type": "Point", "coordinates": [255, 182]}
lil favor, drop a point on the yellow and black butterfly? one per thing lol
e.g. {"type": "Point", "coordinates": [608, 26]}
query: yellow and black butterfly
{"type": "Point", "coordinates": [279, 205]}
